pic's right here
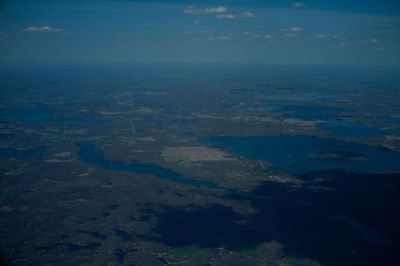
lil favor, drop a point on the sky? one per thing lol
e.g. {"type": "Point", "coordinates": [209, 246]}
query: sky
{"type": "Point", "coordinates": [327, 32]}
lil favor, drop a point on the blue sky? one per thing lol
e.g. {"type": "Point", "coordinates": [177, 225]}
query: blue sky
{"type": "Point", "coordinates": [232, 31]}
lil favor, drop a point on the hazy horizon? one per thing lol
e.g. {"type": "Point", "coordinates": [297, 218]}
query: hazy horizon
{"type": "Point", "coordinates": [251, 32]}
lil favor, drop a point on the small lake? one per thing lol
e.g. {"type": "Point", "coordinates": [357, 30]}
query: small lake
{"type": "Point", "coordinates": [89, 155]}
{"type": "Point", "coordinates": [301, 154]}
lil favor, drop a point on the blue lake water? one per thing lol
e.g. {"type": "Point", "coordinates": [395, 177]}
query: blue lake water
{"type": "Point", "coordinates": [306, 112]}
{"type": "Point", "coordinates": [352, 129]}
{"type": "Point", "coordinates": [333, 125]}
{"type": "Point", "coordinates": [301, 97]}
{"type": "Point", "coordinates": [301, 154]}
{"type": "Point", "coordinates": [37, 116]}
{"type": "Point", "coordinates": [89, 155]}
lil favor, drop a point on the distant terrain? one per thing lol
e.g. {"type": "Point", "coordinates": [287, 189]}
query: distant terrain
{"type": "Point", "coordinates": [175, 164]}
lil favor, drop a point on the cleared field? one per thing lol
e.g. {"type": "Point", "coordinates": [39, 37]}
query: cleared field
{"type": "Point", "coordinates": [194, 154]}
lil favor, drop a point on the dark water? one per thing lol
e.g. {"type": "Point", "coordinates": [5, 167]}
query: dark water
{"type": "Point", "coordinates": [301, 154]}
{"type": "Point", "coordinates": [305, 112]}
{"type": "Point", "coordinates": [37, 116]}
{"type": "Point", "coordinates": [89, 154]}
{"type": "Point", "coordinates": [353, 129]}
{"type": "Point", "coordinates": [301, 97]}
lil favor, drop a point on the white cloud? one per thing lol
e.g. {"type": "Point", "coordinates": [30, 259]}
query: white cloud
{"type": "Point", "coordinates": [222, 38]}
{"type": "Point", "coordinates": [372, 41]}
{"type": "Point", "coordinates": [298, 4]}
{"type": "Point", "coordinates": [243, 15]}
{"type": "Point", "coordinates": [219, 12]}
{"type": "Point", "coordinates": [205, 11]}
{"type": "Point", "coordinates": [269, 36]}
{"type": "Point", "coordinates": [247, 14]}
{"type": "Point", "coordinates": [296, 29]}
{"type": "Point", "coordinates": [196, 22]}
{"type": "Point", "coordinates": [42, 29]}
{"type": "Point", "coordinates": [215, 10]}
{"type": "Point", "coordinates": [226, 16]}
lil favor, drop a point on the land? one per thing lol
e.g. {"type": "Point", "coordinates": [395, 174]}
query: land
{"type": "Point", "coordinates": [58, 209]}
{"type": "Point", "coordinates": [193, 154]}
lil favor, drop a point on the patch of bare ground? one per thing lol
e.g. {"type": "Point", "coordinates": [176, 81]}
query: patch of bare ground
{"type": "Point", "coordinates": [194, 154]}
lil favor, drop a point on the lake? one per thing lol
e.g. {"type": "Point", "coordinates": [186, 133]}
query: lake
{"type": "Point", "coordinates": [90, 155]}
{"type": "Point", "coordinates": [301, 154]}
